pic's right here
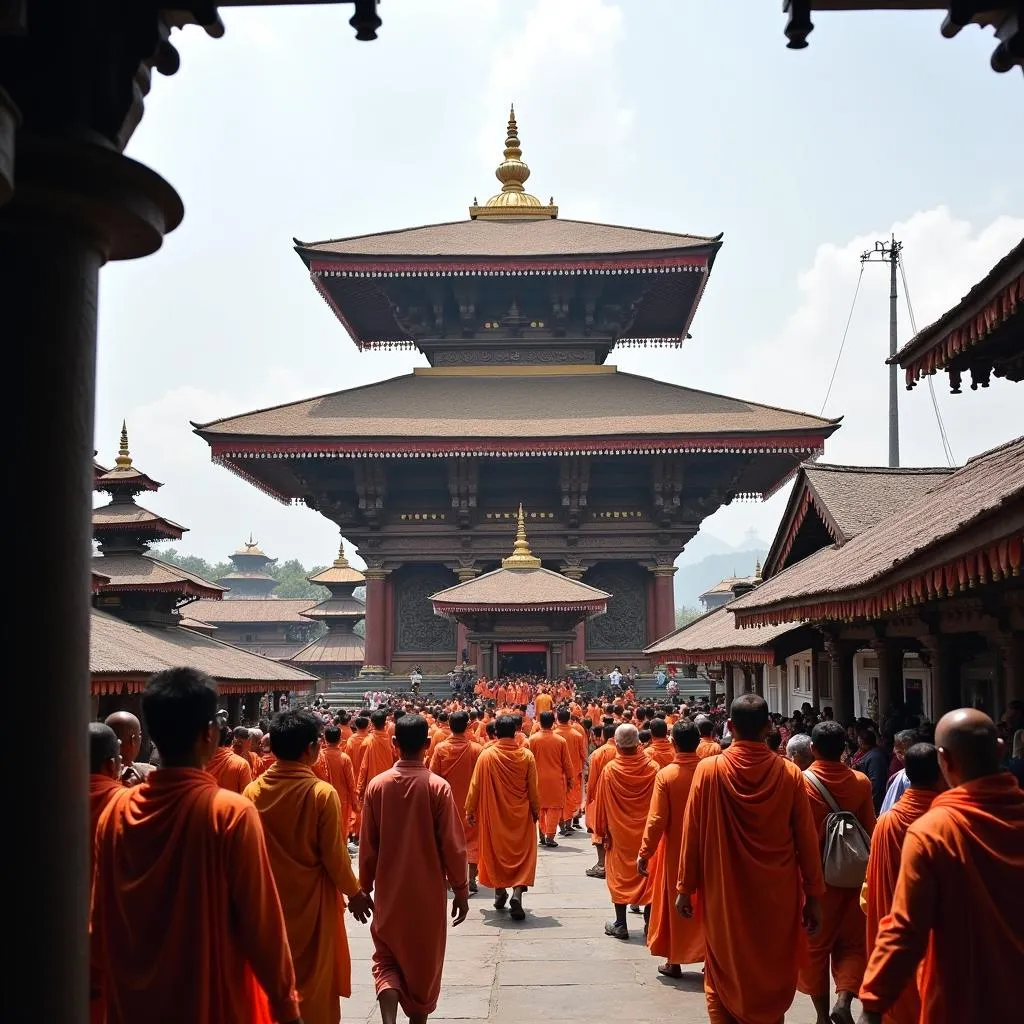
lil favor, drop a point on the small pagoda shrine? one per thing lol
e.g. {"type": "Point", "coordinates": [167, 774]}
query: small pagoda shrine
{"type": "Point", "coordinates": [249, 580]}
{"type": "Point", "coordinates": [521, 617]}
{"type": "Point", "coordinates": [338, 654]}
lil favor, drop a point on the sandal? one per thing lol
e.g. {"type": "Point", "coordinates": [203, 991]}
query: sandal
{"type": "Point", "coordinates": [675, 971]}
{"type": "Point", "coordinates": [595, 872]}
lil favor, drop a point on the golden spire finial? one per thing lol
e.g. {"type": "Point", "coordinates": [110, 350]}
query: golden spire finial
{"type": "Point", "coordinates": [757, 571]}
{"type": "Point", "coordinates": [124, 458]}
{"type": "Point", "coordinates": [522, 557]}
{"type": "Point", "coordinates": [341, 562]}
{"type": "Point", "coordinates": [513, 199]}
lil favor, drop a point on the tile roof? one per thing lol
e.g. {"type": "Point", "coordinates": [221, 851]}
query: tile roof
{"type": "Point", "coordinates": [985, 486]}
{"type": "Point", "coordinates": [522, 237]}
{"type": "Point", "coordinates": [200, 627]}
{"type": "Point", "coordinates": [348, 607]}
{"type": "Point", "coordinates": [725, 586]}
{"type": "Point", "coordinates": [329, 649]}
{"type": "Point", "coordinates": [271, 609]}
{"type": "Point", "coordinates": [519, 589]}
{"type": "Point", "coordinates": [425, 405]}
{"type": "Point", "coordinates": [126, 515]}
{"type": "Point", "coordinates": [117, 647]}
{"type": "Point", "coordinates": [716, 631]}
{"type": "Point", "coordinates": [337, 574]}
{"type": "Point", "coordinates": [129, 570]}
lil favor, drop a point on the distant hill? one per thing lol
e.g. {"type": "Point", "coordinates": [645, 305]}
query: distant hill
{"type": "Point", "coordinates": [693, 579]}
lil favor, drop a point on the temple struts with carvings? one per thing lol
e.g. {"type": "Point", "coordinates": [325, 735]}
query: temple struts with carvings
{"type": "Point", "coordinates": [516, 311]}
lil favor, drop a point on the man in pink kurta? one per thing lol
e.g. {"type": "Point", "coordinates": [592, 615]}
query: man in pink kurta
{"type": "Point", "coordinates": [411, 850]}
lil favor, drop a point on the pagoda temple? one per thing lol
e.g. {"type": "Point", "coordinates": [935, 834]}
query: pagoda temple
{"type": "Point", "coordinates": [249, 578]}
{"type": "Point", "coordinates": [516, 312]}
{"type": "Point", "coordinates": [338, 654]}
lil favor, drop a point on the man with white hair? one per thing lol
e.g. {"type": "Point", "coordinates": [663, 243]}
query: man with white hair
{"type": "Point", "coordinates": [798, 750]}
{"type": "Point", "coordinates": [620, 814]}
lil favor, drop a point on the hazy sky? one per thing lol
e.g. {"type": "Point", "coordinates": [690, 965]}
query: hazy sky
{"type": "Point", "coordinates": [670, 114]}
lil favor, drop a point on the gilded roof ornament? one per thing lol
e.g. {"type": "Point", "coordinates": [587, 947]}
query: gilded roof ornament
{"type": "Point", "coordinates": [341, 562]}
{"type": "Point", "coordinates": [124, 458]}
{"type": "Point", "coordinates": [513, 200]}
{"type": "Point", "coordinates": [522, 557]}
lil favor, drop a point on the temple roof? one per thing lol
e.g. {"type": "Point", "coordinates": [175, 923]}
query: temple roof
{"type": "Point", "coordinates": [127, 516]}
{"type": "Point", "coordinates": [119, 649]}
{"type": "Point", "coordinates": [894, 563]}
{"type": "Point", "coordinates": [124, 477]}
{"type": "Point", "coordinates": [252, 548]}
{"type": "Point", "coordinates": [337, 608]}
{"type": "Point", "coordinates": [339, 573]}
{"type": "Point", "coordinates": [332, 649]}
{"type": "Point", "coordinates": [129, 571]}
{"type": "Point", "coordinates": [268, 610]}
{"type": "Point", "coordinates": [716, 637]}
{"type": "Point", "coordinates": [725, 586]}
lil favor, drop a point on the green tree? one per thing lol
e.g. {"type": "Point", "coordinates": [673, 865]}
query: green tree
{"type": "Point", "coordinates": [684, 616]}
{"type": "Point", "coordinates": [290, 575]}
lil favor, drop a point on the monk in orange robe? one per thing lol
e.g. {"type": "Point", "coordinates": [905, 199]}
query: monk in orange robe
{"type": "Point", "coordinates": [554, 776]}
{"type": "Point", "coordinates": [186, 920]}
{"type": "Point", "coordinates": [266, 756]}
{"type": "Point", "coordinates": [241, 743]}
{"type": "Point", "coordinates": [751, 857]}
{"type": "Point", "coordinates": [707, 746]}
{"type": "Point", "coordinates": [302, 822]}
{"type": "Point", "coordinates": [959, 902]}
{"type": "Point", "coordinates": [378, 752]}
{"type": "Point", "coordinates": [620, 813]}
{"type": "Point", "coordinates": [255, 751]}
{"type": "Point", "coordinates": [441, 733]}
{"type": "Point", "coordinates": [333, 765]}
{"type": "Point", "coordinates": [678, 939]}
{"type": "Point", "coordinates": [504, 803]}
{"type": "Point", "coordinates": [411, 850]}
{"type": "Point", "coordinates": [841, 936]}
{"type": "Point", "coordinates": [661, 751]}
{"type": "Point", "coordinates": [543, 702]}
{"type": "Point", "coordinates": [104, 772]}
{"type": "Point", "coordinates": [229, 769]}
{"type": "Point", "coordinates": [454, 760]}
{"type": "Point", "coordinates": [598, 759]}
{"type": "Point", "coordinates": [576, 741]}
{"type": "Point", "coordinates": [128, 730]}
{"type": "Point", "coordinates": [921, 764]}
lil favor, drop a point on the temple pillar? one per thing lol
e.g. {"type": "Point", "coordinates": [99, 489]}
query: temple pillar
{"type": "Point", "coordinates": [712, 690]}
{"type": "Point", "coordinates": [577, 650]}
{"type": "Point", "coordinates": [890, 676]}
{"type": "Point", "coordinates": [485, 664]}
{"type": "Point", "coordinates": [747, 678]}
{"type": "Point", "coordinates": [465, 573]}
{"type": "Point", "coordinates": [664, 600]}
{"type": "Point", "coordinates": [556, 660]}
{"type": "Point", "coordinates": [234, 709]}
{"type": "Point", "coordinates": [75, 206]}
{"type": "Point", "coordinates": [758, 673]}
{"type": "Point", "coordinates": [730, 684]}
{"type": "Point", "coordinates": [841, 654]}
{"type": "Point", "coordinates": [815, 672]}
{"type": "Point", "coordinates": [1011, 657]}
{"type": "Point", "coordinates": [944, 660]}
{"type": "Point", "coordinates": [376, 631]}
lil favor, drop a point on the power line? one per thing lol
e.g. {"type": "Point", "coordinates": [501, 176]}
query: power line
{"type": "Point", "coordinates": [842, 344]}
{"type": "Point", "coordinates": [946, 447]}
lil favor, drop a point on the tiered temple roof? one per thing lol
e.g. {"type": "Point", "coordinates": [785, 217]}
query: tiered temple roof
{"type": "Point", "coordinates": [249, 579]}
{"type": "Point", "coordinates": [339, 646]}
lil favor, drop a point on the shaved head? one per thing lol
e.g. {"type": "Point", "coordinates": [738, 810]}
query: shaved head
{"type": "Point", "coordinates": [627, 737]}
{"type": "Point", "coordinates": [749, 717]}
{"type": "Point", "coordinates": [128, 730]}
{"type": "Point", "coordinates": [969, 747]}
{"type": "Point", "coordinates": [104, 750]}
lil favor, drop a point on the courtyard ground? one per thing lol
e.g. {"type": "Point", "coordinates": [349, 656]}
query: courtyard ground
{"type": "Point", "coordinates": [557, 965]}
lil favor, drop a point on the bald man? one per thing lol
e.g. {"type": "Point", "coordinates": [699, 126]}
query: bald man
{"type": "Point", "coordinates": [128, 730]}
{"type": "Point", "coordinates": [958, 902]}
{"type": "Point", "coordinates": [798, 750]}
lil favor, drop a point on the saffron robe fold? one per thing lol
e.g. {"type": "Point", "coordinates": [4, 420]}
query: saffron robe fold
{"type": "Point", "coordinates": [708, 747]}
{"type": "Point", "coordinates": [576, 740]}
{"type": "Point", "coordinates": [958, 905]}
{"type": "Point", "coordinates": [231, 771]}
{"type": "Point", "coordinates": [750, 853]}
{"type": "Point", "coordinates": [378, 755]}
{"type": "Point", "coordinates": [678, 939]}
{"type": "Point", "coordinates": [598, 759]}
{"type": "Point", "coordinates": [840, 939]}
{"type": "Point", "coordinates": [554, 774]}
{"type": "Point", "coordinates": [504, 800]}
{"type": "Point", "coordinates": [411, 848]}
{"type": "Point", "coordinates": [335, 766]}
{"type": "Point", "coordinates": [185, 912]}
{"type": "Point", "coordinates": [620, 814]}
{"type": "Point", "coordinates": [301, 817]}
{"type": "Point", "coordinates": [661, 752]}
{"type": "Point", "coordinates": [454, 760]}
{"type": "Point", "coordinates": [880, 885]}
{"type": "Point", "coordinates": [102, 789]}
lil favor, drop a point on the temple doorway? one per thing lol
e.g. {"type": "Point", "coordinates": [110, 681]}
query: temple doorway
{"type": "Point", "coordinates": [519, 662]}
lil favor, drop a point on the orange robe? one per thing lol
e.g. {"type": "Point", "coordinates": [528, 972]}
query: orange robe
{"type": "Point", "coordinates": [504, 800]}
{"type": "Point", "coordinates": [266, 760]}
{"type": "Point", "coordinates": [880, 885]}
{"type": "Point", "coordinates": [708, 748]}
{"type": "Point", "coordinates": [379, 754]}
{"type": "Point", "coordinates": [302, 823]}
{"type": "Point", "coordinates": [454, 760]}
{"type": "Point", "coordinates": [678, 939]}
{"type": "Point", "coordinates": [598, 759]}
{"type": "Point", "coordinates": [554, 776]}
{"type": "Point", "coordinates": [231, 771]}
{"type": "Point", "coordinates": [102, 789]}
{"type": "Point", "coordinates": [543, 702]}
{"type": "Point", "coordinates": [577, 744]}
{"type": "Point", "coordinates": [841, 936]}
{"type": "Point", "coordinates": [750, 851]}
{"type": "Point", "coordinates": [254, 762]}
{"type": "Point", "coordinates": [410, 850]}
{"type": "Point", "coordinates": [661, 752]}
{"type": "Point", "coordinates": [335, 766]}
{"type": "Point", "coordinates": [958, 905]}
{"type": "Point", "coordinates": [186, 920]}
{"type": "Point", "coordinates": [620, 812]}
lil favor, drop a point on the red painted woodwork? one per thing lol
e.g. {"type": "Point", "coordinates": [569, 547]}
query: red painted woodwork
{"type": "Point", "coordinates": [664, 605]}
{"type": "Point", "coordinates": [376, 622]}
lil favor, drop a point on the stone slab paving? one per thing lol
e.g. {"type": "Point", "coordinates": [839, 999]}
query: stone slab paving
{"type": "Point", "coordinates": [557, 965]}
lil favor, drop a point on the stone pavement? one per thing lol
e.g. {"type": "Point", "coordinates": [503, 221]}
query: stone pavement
{"type": "Point", "coordinates": [557, 965]}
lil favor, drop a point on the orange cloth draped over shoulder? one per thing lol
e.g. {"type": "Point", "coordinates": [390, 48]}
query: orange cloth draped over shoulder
{"type": "Point", "coordinates": [620, 814]}
{"type": "Point", "coordinates": [880, 885]}
{"type": "Point", "coordinates": [543, 702]}
{"type": "Point", "coordinates": [454, 760]}
{"type": "Point", "coordinates": [186, 920]}
{"type": "Point", "coordinates": [708, 748]}
{"type": "Point", "coordinates": [750, 851]}
{"type": "Point", "coordinates": [254, 762]}
{"type": "Point", "coordinates": [678, 939]}
{"type": "Point", "coordinates": [554, 776]}
{"type": "Point", "coordinates": [840, 939]}
{"type": "Point", "coordinates": [661, 752]}
{"type": "Point", "coordinates": [335, 766]}
{"type": "Point", "coordinates": [598, 759]}
{"type": "Point", "coordinates": [379, 754]}
{"type": "Point", "coordinates": [302, 823]}
{"type": "Point", "coordinates": [102, 789]}
{"type": "Point", "coordinates": [231, 771]}
{"type": "Point", "coordinates": [504, 800]}
{"type": "Point", "coordinates": [266, 760]}
{"type": "Point", "coordinates": [410, 850]}
{"type": "Point", "coordinates": [577, 744]}
{"type": "Point", "coordinates": [958, 905]}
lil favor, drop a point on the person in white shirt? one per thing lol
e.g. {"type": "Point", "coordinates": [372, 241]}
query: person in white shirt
{"type": "Point", "coordinates": [615, 678]}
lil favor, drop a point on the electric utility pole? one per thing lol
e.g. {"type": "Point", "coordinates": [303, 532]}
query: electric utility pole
{"type": "Point", "coordinates": [889, 252]}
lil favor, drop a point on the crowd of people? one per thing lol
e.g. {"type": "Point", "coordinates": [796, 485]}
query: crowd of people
{"type": "Point", "coordinates": [880, 862]}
